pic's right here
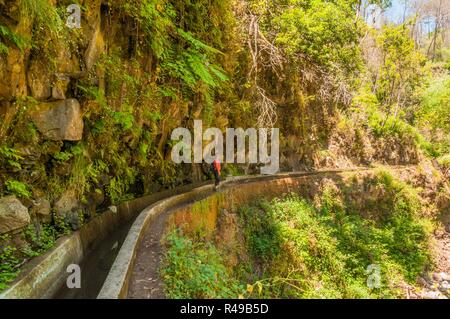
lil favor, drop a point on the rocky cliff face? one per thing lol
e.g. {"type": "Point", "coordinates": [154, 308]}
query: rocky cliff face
{"type": "Point", "coordinates": [86, 113]}
{"type": "Point", "coordinates": [13, 215]}
{"type": "Point", "coordinates": [40, 108]}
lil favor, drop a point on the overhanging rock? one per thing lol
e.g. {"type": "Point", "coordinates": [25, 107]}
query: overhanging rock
{"type": "Point", "coordinates": [13, 215]}
{"type": "Point", "coordinates": [60, 120]}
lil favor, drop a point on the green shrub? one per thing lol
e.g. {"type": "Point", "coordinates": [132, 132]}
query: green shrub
{"type": "Point", "coordinates": [433, 113]}
{"type": "Point", "coordinates": [43, 13]}
{"type": "Point", "coordinates": [195, 270]}
{"type": "Point", "coordinates": [18, 188]}
{"type": "Point", "coordinates": [124, 120]}
{"type": "Point", "coordinates": [294, 249]}
{"type": "Point", "coordinates": [7, 35]}
{"type": "Point", "coordinates": [40, 239]}
{"type": "Point", "coordinates": [10, 157]}
{"type": "Point", "coordinates": [383, 125]}
{"type": "Point", "coordinates": [434, 108]}
{"type": "Point", "coordinates": [8, 262]}
{"type": "Point", "coordinates": [118, 190]}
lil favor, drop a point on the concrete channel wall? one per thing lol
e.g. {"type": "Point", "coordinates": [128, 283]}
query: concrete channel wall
{"type": "Point", "coordinates": [44, 275]}
{"type": "Point", "coordinates": [201, 207]}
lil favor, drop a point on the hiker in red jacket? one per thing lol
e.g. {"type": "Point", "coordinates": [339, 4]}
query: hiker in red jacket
{"type": "Point", "coordinates": [215, 167]}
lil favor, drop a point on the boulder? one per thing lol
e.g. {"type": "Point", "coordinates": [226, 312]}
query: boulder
{"type": "Point", "coordinates": [67, 62]}
{"type": "Point", "coordinates": [433, 295]}
{"type": "Point", "coordinates": [18, 77]}
{"type": "Point", "coordinates": [39, 80]}
{"type": "Point", "coordinates": [13, 215]}
{"type": "Point", "coordinates": [96, 47]}
{"type": "Point", "coordinates": [60, 86]}
{"type": "Point", "coordinates": [74, 219]}
{"type": "Point", "coordinates": [60, 120]}
{"type": "Point", "coordinates": [42, 209]}
{"type": "Point", "coordinates": [68, 209]}
{"type": "Point", "coordinates": [13, 65]}
{"type": "Point", "coordinates": [12, 75]}
{"type": "Point", "coordinates": [93, 200]}
{"type": "Point", "coordinates": [67, 203]}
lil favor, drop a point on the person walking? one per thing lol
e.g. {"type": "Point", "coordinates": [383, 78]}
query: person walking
{"type": "Point", "coordinates": [215, 167]}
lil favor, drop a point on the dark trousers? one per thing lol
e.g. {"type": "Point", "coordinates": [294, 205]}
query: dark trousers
{"type": "Point", "coordinates": [217, 177]}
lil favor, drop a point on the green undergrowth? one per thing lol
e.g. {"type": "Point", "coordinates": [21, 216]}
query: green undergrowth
{"type": "Point", "coordinates": [38, 238]}
{"type": "Point", "coordinates": [195, 269]}
{"type": "Point", "coordinates": [8, 36]}
{"type": "Point", "coordinates": [8, 264]}
{"type": "Point", "coordinates": [382, 124]}
{"type": "Point", "coordinates": [297, 248]}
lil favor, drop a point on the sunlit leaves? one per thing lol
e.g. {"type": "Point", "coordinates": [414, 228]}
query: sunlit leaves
{"type": "Point", "coordinates": [326, 32]}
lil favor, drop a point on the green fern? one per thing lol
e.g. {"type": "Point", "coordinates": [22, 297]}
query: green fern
{"type": "Point", "coordinates": [196, 43]}
{"type": "Point", "coordinates": [10, 156]}
{"type": "Point", "coordinates": [192, 66]}
{"type": "Point", "coordinates": [3, 49]}
{"type": "Point", "coordinates": [94, 92]}
{"type": "Point", "coordinates": [18, 188]}
{"type": "Point", "coordinates": [7, 35]}
{"type": "Point", "coordinates": [218, 72]}
{"type": "Point", "coordinates": [44, 14]}
{"type": "Point", "coordinates": [124, 119]}
{"type": "Point", "coordinates": [156, 18]}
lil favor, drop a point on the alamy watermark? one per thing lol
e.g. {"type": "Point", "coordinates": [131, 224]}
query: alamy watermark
{"type": "Point", "coordinates": [189, 150]}
{"type": "Point", "coordinates": [74, 279]}
{"type": "Point", "coordinates": [74, 19]}
{"type": "Point", "coordinates": [374, 278]}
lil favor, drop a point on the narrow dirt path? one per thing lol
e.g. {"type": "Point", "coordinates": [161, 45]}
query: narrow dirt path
{"type": "Point", "coordinates": [146, 282]}
{"type": "Point", "coordinates": [436, 285]}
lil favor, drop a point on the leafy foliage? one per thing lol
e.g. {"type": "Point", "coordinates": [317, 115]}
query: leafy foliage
{"type": "Point", "coordinates": [18, 188]}
{"type": "Point", "coordinates": [196, 270]}
{"type": "Point", "coordinates": [40, 238]}
{"type": "Point", "coordinates": [8, 263]}
{"type": "Point", "coordinates": [324, 31]}
{"type": "Point", "coordinates": [402, 68]}
{"type": "Point", "coordinates": [383, 124]}
{"type": "Point", "coordinates": [7, 35]}
{"type": "Point", "coordinates": [43, 13]}
{"type": "Point", "coordinates": [435, 104]}
{"type": "Point", "coordinates": [179, 60]}
{"type": "Point", "coordinates": [10, 157]}
{"type": "Point", "coordinates": [433, 113]}
{"type": "Point", "coordinates": [323, 251]}
{"type": "Point", "coordinates": [300, 249]}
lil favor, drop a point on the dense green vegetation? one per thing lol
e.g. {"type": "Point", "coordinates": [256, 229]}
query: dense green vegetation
{"type": "Point", "coordinates": [189, 59]}
{"type": "Point", "coordinates": [140, 68]}
{"type": "Point", "coordinates": [194, 269]}
{"type": "Point", "coordinates": [433, 114]}
{"type": "Point", "coordinates": [298, 248]}
{"type": "Point", "coordinates": [39, 239]}
{"type": "Point", "coordinates": [191, 53]}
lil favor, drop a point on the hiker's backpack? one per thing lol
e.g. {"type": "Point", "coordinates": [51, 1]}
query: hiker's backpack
{"type": "Point", "coordinates": [216, 164]}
